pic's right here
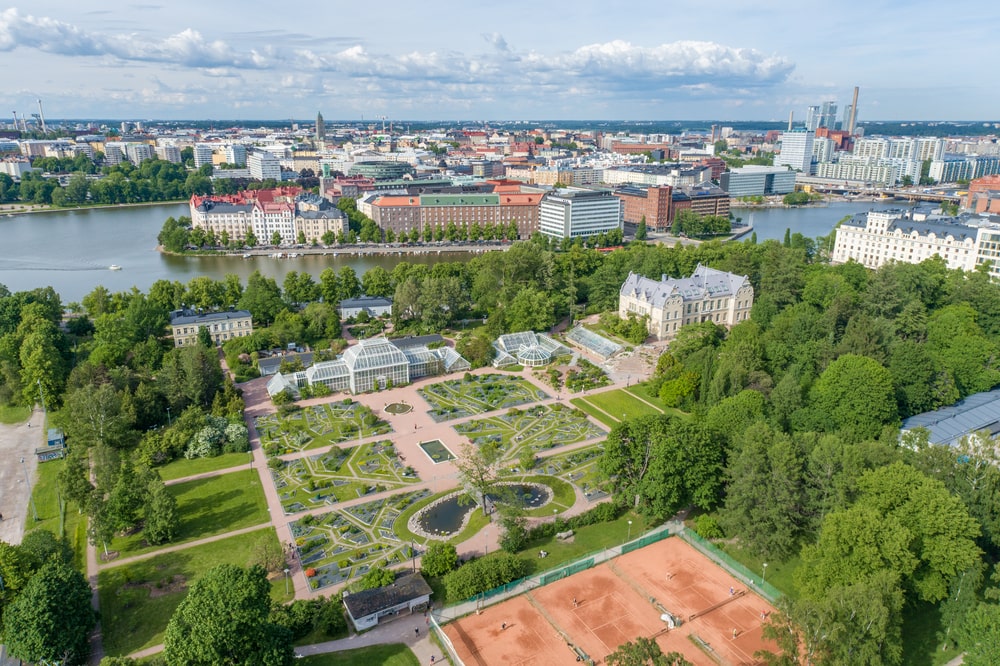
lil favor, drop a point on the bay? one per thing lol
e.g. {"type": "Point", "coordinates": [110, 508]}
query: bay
{"type": "Point", "coordinates": [72, 250]}
{"type": "Point", "coordinates": [810, 221]}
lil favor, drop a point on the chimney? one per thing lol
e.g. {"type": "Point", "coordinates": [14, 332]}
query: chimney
{"type": "Point", "coordinates": [791, 115]}
{"type": "Point", "coordinates": [854, 113]}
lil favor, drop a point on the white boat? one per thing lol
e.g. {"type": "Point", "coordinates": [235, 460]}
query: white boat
{"type": "Point", "coordinates": [247, 255]}
{"type": "Point", "coordinates": [114, 267]}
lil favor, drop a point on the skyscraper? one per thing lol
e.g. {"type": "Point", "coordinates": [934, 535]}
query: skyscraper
{"type": "Point", "coordinates": [828, 115]}
{"type": "Point", "coordinates": [320, 128]}
{"type": "Point", "coordinates": [812, 118]}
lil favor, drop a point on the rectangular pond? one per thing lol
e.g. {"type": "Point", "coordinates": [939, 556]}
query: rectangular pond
{"type": "Point", "coordinates": [437, 451]}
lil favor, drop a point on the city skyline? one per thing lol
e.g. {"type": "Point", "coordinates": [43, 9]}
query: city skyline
{"type": "Point", "coordinates": [446, 61]}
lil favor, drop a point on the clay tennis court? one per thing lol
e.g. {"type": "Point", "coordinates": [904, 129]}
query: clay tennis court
{"type": "Point", "coordinates": [612, 606]}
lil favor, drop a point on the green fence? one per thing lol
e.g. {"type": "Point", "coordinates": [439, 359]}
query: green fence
{"type": "Point", "coordinates": [575, 568]}
{"type": "Point", "coordinates": [644, 541]}
{"type": "Point", "coordinates": [730, 564]}
{"type": "Point", "coordinates": [500, 589]}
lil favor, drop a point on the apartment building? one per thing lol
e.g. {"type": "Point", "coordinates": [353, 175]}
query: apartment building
{"type": "Point", "coordinates": [756, 180]}
{"type": "Point", "coordinates": [660, 205]}
{"type": "Point", "coordinates": [796, 151]}
{"type": "Point", "coordinates": [708, 295]}
{"type": "Point", "coordinates": [404, 213]}
{"type": "Point", "coordinates": [285, 211]}
{"type": "Point", "coordinates": [878, 237]}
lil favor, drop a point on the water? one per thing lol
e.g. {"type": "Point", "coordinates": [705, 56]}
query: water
{"type": "Point", "coordinates": [810, 221]}
{"type": "Point", "coordinates": [72, 250]}
{"type": "Point", "coordinates": [447, 516]}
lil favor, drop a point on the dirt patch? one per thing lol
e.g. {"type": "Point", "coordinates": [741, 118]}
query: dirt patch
{"type": "Point", "coordinates": [160, 588]}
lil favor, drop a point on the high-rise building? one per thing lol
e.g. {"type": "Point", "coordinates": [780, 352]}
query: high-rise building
{"type": "Point", "coordinates": [202, 154]}
{"type": "Point", "coordinates": [846, 122]}
{"type": "Point", "coordinates": [320, 128]}
{"type": "Point", "coordinates": [812, 118]}
{"type": "Point", "coordinates": [263, 165]}
{"type": "Point", "coordinates": [236, 153]}
{"type": "Point", "coordinates": [828, 115]}
{"type": "Point", "coordinates": [573, 212]}
{"type": "Point", "coordinates": [796, 150]}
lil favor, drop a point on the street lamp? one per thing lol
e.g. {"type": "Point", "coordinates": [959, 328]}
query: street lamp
{"type": "Point", "coordinates": [170, 421]}
{"type": "Point", "coordinates": [764, 575]}
{"type": "Point", "coordinates": [27, 480]}
{"type": "Point", "coordinates": [287, 570]}
{"type": "Point", "coordinates": [629, 531]}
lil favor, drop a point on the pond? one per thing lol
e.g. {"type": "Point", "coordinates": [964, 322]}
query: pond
{"type": "Point", "coordinates": [450, 514]}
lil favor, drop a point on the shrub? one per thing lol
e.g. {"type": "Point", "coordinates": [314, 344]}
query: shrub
{"type": "Point", "coordinates": [484, 574]}
{"type": "Point", "coordinates": [708, 527]}
{"type": "Point", "coordinates": [441, 558]}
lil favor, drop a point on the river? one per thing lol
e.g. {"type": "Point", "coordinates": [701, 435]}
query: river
{"type": "Point", "coordinates": [72, 250]}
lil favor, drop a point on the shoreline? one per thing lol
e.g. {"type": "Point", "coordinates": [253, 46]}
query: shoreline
{"type": "Point", "coordinates": [375, 250]}
{"type": "Point", "coordinates": [10, 212]}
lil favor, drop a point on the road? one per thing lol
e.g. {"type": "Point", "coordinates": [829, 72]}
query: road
{"type": "Point", "coordinates": [18, 441]}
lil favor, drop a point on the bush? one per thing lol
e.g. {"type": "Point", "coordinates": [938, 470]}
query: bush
{"type": "Point", "coordinates": [708, 527]}
{"type": "Point", "coordinates": [440, 559]}
{"type": "Point", "coordinates": [484, 574]}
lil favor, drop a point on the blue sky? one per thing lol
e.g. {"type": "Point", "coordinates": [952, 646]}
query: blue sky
{"type": "Point", "coordinates": [443, 59]}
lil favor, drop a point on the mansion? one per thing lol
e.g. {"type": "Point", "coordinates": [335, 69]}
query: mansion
{"type": "Point", "coordinates": [287, 211]}
{"type": "Point", "coordinates": [708, 295]}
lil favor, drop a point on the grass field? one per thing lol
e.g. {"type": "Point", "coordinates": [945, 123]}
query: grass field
{"type": "Point", "coordinates": [72, 524]}
{"type": "Point", "coordinates": [393, 654]}
{"type": "Point", "coordinates": [178, 469]}
{"type": "Point", "coordinates": [138, 599]}
{"type": "Point", "coordinates": [206, 507]}
{"type": "Point", "coordinates": [779, 574]}
{"type": "Point", "coordinates": [14, 414]}
{"type": "Point", "coordinates": [620, 401]}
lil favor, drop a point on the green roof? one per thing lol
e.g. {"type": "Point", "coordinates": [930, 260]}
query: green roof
{"type": "Point", "coordinates": [459, 200]}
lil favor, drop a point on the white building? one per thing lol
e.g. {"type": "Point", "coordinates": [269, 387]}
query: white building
{"type": "Point", "coordinates": [169, 153]}
{"type": "Point", "coordinates": [708, 295]}
{"type": "Point", "coordinates": [574, 212]}
{"type": "Point", "coordinates": [202, 154]}
{"type": "Point", "coordinates": [263, 165]}
{"type": "Point", "coordinates": [757, 181]}
{"type": "Point", "coordinates": [139, 152]}
{"type": "Point", "coordinates": [796, 150]}
{"type": "Point", "coordinates": [878, 237]}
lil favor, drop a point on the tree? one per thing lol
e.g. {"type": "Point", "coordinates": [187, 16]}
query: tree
{"type": "Point", "coordinates": [477, 469]}
{"type": "Point", "coordinates": [377, 282]}
{"type": "Point", "coordinates": [348, 285]}
{"type": "Point", "coordinates": [441, 558]}
{"type": "Point", "coordinates": [161, 517]}
{"type": "Point", "coordinates": [52, 617]}
{"type": "Point", "coordinates": [262, 298]}
{"type": "Point", "coordinates": [484, 574]}
{"type": "Point", "coordinates": [644, 652]}
{"type": "Point", "coordinates": [376, 577]}
{"type": "Point", "coordinates": [640, 230]}
{"type": "Point", "coordinates": [857, 394]}
{"type": "Point", "coordinates": [764, 495]}
{"type": "Point", "coordinates": [224, 620]}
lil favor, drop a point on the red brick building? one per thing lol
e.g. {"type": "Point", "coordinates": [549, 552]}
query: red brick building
{"type": "Point", "coordinates": [984, 195]}
{"type": "Point", "coordinates": [651, 203]}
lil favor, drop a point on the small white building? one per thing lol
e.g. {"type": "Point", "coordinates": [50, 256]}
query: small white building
{"type": "Point", "coordinates": [574, 212]}
{"type": "Point", "coordinates": [708, 295]}
{"type": "Point", "coordinates": [375, 306]}
{"type": "Point", "coordinates": [408, 593]}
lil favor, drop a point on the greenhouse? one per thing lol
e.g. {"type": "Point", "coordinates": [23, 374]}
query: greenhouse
{"type": "Point", "coordinates": [527, 348]}
{"type": "Point", "coordinates": [372, 364]}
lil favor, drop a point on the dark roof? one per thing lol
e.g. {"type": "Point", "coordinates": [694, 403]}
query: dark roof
{"type": "Point", "coordinates": [980, 411]}
{"type": "Point", "coordinates": [181, 317]}
{"type": "Point", "coordinates": [366, 302]}
{"type": "Point", "coordinates": [367, 602]}
{"type": "Point", "coordinates": [417, 340]}
{"type": "Point", "coordinates": [276, 361]}
{"type": "Point", "coordinates": [938, 228]}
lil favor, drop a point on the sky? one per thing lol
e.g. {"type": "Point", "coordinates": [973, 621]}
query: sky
{"type": "Point", "coordinates": [515, 60]}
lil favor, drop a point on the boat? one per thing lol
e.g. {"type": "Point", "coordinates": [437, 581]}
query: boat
{"type": "Point", "coordinates": [114, 267]}
{"type": "Point", "coordinates": [247, 255]}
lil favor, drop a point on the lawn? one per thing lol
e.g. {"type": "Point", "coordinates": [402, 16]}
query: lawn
{"type": "Point", "coordinates": [779, 574]}
{"type": "Point", "coordinates": [178, 469]}
{"type": "Point", "coordinates": [138, 599]}
{"type": "Point", "coordinates": [641, 391]}
{"type": "Point", "coordinates": [620, 401]}
{"type": "Point", "coordinates": [214, 505]}
{"type": "Point", "coordinates": [62, 521]}
{"type": "Point", "coordinates": [392, 654]}
{"type": "Point", "coordinates": [589, 409]}
{"type": "Point", "coordinates": [14, 414]}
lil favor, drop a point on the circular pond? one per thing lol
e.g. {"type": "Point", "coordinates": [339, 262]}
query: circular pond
{"type": "Point", "coordinates": [450, 514]}
{"type": "Point", "coordinates": [398, 408]}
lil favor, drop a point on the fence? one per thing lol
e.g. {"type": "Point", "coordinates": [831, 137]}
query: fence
{"type": "Point", "coordinates": [727, 562]}
{"type": "Point", "coordinates": [445, 641]}
{"type": "Point", "coordinates": [504, 592]}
